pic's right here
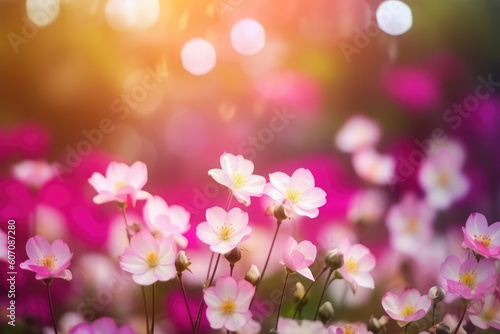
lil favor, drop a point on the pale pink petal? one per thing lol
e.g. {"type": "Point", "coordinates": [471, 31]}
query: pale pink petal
{"type": "Point", "coordinates": [37, 248]}
{"type": "Point", "coordinates": [216, 318]}
{"type": "Point", "coordinates": [104, 197]}
{"type": "Point", "coordinates": [424, 303]}
{"type": "Point", "coordinates": [450, 268]}
{"type": "Point", "coordinates": [133, 264]}
{"type": "Point", "coordinates": [364, 279]}
{"type": "Point", "coordinates": [104, 325]}
{"type": "Point", "coordinates": [237, 218]}
{"type": "Point", "coordinates": [64, 274]}
{"type": "Point", "coordinates": [228, 163]}
{"type": "Point", "coordinates": [143, 242]}
{"type": "Point", "coordinates": [216, 216]}
{"type": "Point", "coordinates": [137, 175]}
{"type": "Point", "coordinates": [306, 272]}
{"type": "Point", "coordinates": [211, 298]}
{"type": "Point", "coordinates": [484, 269]}
{"type": "Point", "coordinates": [245, 166]}
{"type": "Point", "coordinates": [226, 287]}
{"type": "Point", "coordinates": [280, 181]}
{"type": "Point", "coordinates": [206, 234]}
{"type": "Point", "coordinates": [146, 278]}
{"type": "Point", "coordinates": [61, 252]}
{"type": "Point", "coordinates": [237, 320]}
{"type": "Point", "coordinates": [476, 224]}
{"type": "Point", "coordinates": [494, 233]}
{"type": "Point", "coordinates": [220, 177]}
{"type": "Point", "coordinates": [255, 185]}
{"type": "Point", "coordinates": [246, 292]}
{"type": "Point", "coordinates": [479, 321]}
{"type": "Point", "coordinates": [179, 217]}
{"type": "Point", "coordinates": [116, 171]}
{"type": "Point", "coordinates": [274, 193]}
{"type": "Point", "coordinates": [311, 213]}
{"type": "Point", "coordinates": [142, 195]}
{"type": "Point", "coordinates": [313, 198]}
{"type": "Point", "coordinates": [99, 183]}
{"type": "Point", "coordinates": [307, 249]}
{"type": "Point", "coordinates": [165, 273]}
{"type": "Point", "coordinates": [409, 296]}
{"type": "Point", "coordinates": [302, 179]}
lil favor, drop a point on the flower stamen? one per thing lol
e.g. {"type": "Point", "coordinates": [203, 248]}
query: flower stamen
{"type": "Point", "coordinates": [228, 306]}
{"type": "Point", "coordinates": [49, 261]}
{"type": "Point", "coordinates": [225, 232]}
{"type": "Point", "coordinates": [293, 195]}
{"type": "Point", "coordinates": [238, 180]}
{"type": "Point", "coordinates": [468, 278]}
{"type": "Point", "coordinates": [152, 259]}
{"type": "Point", "coordinates": [352, 266]}
{"type": "Point", "coordinates": [406, 310]}
{"type": "Point", "coordinates": [484, 239]}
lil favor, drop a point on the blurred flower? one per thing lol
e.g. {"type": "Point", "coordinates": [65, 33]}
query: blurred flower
{"type": "Point", "coordinates": [358, 262]}
{"type": "Point", "coordinates": [252, 327]}
{"type": "Point", "coordinates": [163, 220]}
{"type": "Point", "coordinates": [236, 174]}
{"type": "Point", "coordinates": [410, 223]}
{"type": "Point", "coordinates": [132, 14]}
{"type": "Point", "coordinates": [394, 17]}
{"type": "Point", "coordinates": [3, 245]}
{"type": "Point", "coordinates": [122, 183]}
{"type": "Point", "coordinates": [373, 166]}
{"type": "Point", "coordinates": [442, 179]}
{"type": "Point", "coordinates": [367, 206]}
{"type": "Point", "coordinates": [298, 257]}
{"type": "Point", "coordinates": [359, 132]}
{"type": "Point", "coordinates": [485, 313]}
{"type": "Point", "coordinates": [228, 303]}
{"type": "Point", "coordinates": [224, 230]}
{"type": "Point", "coordinates": [101, 326]}
{"type": "Point", "coordinates": [290, 326]}
{"type": "Point", "coordinates": [198, 56]}
{"type": "Point", "coordinates": [149, 259]}
{"type": "Point", "coordinates": [348, 328]}
{"type": "Point", "coordinates": [480, 237]}
{"type": "Point", "coordinates": [406, 307]}
{"type": "Point", "coordinates": [296, 193]}
{"type": "Point", "coordinates": [33, 173]}
{"type": "Point", "coordinates": [470, 279]}
{"type": "Point", "coordinates": [452, 321]}
{"type": "Point", "coordinates": [48, 260]}
{"type": "Point", "coordinates": [248, 36]}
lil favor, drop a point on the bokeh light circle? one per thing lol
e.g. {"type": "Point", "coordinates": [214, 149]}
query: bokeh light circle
{"type": "Point", "coordinates": [42, 12]}
{"type": "Point", "coordinates": [248, 37]}
{"type": "Point", "coordinates": [394, 17]}
{"type": "Point", "coordinates": [132, 14]}
{"type": "Point", "coordinates": [198, 56]}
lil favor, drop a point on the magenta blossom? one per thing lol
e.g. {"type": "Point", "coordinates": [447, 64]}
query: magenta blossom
{"type": "Point", "coordinates": [298, 257]}
{"type": "Point", "coordinates": [34, 173]}
{"type": "Point", "coordinates": [358, 262]}
{"type": "Point", "coordinates": [48, 260]}
{"type": "Point", "coordinates": [102, 325]}
{"type": "Point", "coordinates": [470, 279]}
{"type": "Point", "coordinates": [348, 328]}
{"type": "Point", "coordinates": [223, 230]}
{"type": "Point", "coordinates": [296, 193]}
{"type": "Point", "coordinates": [485, 313]}
{"type": "Point", "coordinates": [122, 184]}
{"type": "Point", "coordinates": [291, 326]}
{"type": "Point", "coordinates": [228, 303]}
{"type": "Point", "coordinates": [359, 132]}
{"type": "Point", "coordinates": [236, 174]}
{"type": "Point", "coordinates": [149, 259]}
{"type": "Point", "coordinates": [406, 307]}
{"type": "Point", "coordinates": [480, 237]}
{"type": "Point", "coordinates": [164, 220]}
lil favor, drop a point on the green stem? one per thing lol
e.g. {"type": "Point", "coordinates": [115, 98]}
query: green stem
{"type": "Point", "coordinates": [126, 223]}
{"type": "Point", "coordinates": [47, 283]}
{"type": "Point", "coordinates": [455, 331]}
{"type": "Point", "coordinates": [143, 289]}
{"type": "Point", "coordinates": [323, 293]}
{"type": "Point", "coordinates": [406, 327]}
{"type": "Point", "coordinates": [202, 305]}
{"type": "Point", "coordinates": [302, 300]}
{"type": "Point", "coordinates": [281, 300]}
{"type": "Point", "coordinates": [186, 301]}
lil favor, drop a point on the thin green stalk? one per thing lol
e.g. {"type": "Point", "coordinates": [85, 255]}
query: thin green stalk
{"type": "Point", "coordinates": [143, 289]}
{"type": "Point", "coordinates": [302, 300]}
{"type": "Point", "coordinates": [323, 293]}
{"type": "Point", "coordinates": [281, 300]}
{"type": "Point", "coordinates": [47, 283]}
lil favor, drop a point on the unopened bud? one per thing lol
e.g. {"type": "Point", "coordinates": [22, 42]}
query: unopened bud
{"type": "Point", "coordinates": [334, 259]}
{"type": "Point", "coordinates": [234, 255]}
{"type": "Point", "coordinates": [436, 293]}
{"type": "Point", "coordinates": [299, 293]}
{"type": "Point", "coordinates": [440, 328]}
{"type": "Point", "coordinates": [279, 212]}
{"type": "Point", "coordinates": [253, 275]}
{"type": "Point", "coordinates": [182, 262]}
{"type": "Point", "coordinates": [326, 312]}
{"type": "Point", "coordinates": [377, 325]}
{"type": "Point", "coordinates": [469, 327]}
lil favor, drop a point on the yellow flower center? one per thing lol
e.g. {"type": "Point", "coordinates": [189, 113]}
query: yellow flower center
{"type": "Point", "coordinates": [293, 195]}
{"type": "Point", "coordinates": [412, 225]}
{"type": "Point", "coordinates": [490, 314]}
{"type": "Point", "coordinates": [226, 231]}
{"type": "Point", "coordinates": [228, 306]}
{"type": "Point", "coordinates": [49, 261]}
{"type": "Point", "coordinates": [407, 310]}
{"type": "Point", "coordinates": [348, 329]}
{"type": "Point", "coordinates": [119, 185]}
{"type": "Point", "coordinates": [238, 180]}
{"type": "Point", "coordinates": [152, 259]}
{"type": "Point", "coordinates": [443, 179]}
{"type": "Point", "coordinates": [484, 239]}
{"type": "Point", "coordinates": [468, 278]}
{"type": "Point", "coordinates": [352, 266]}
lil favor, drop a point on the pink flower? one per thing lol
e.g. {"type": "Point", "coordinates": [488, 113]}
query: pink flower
{"type": "Point", "coordinates": [48, 260]}
{"type": "Point", "coordinates": [236, 174]}
{"type": "Point", "coordinates": [34, 173]}
{"type": "Point", "coordinates": [102, 325]}
{"type": "Point", "coordinates": [163, 220]}
{"type": "Point", "coordinates": [408, 306]}
{"type": "Point", "coordinates": [410, 223]}
{"type": "Point", "coordinates": [357, 133]}
{"type": "Point", "coordinates": [470, 279]}
{"type": "Point", "coordinates": [373, 166]}
{"type": "Point", "coordinates": [122, 183]}
{"type": "Point", "coordinates": [480, 237]}
{"type": "Point", "coordinates": [228, 302]}
{"type": "Point", "coordinates": [296, 193]}
{"type": "Point", "coordinates": [348, 328]}
{"type": "Point", "coordinates": [298, 257]}
{"type": "Point", "coordinates": [291, 326]}
{"type": "Point", "coordinates": [358, 262]}
{"type": "Point", "coordinates": [149, 259]}
{"type": "Point", "coordinates": [3, 246]}
{"type": "Point", "coordinates": [252, 327]}
{"type": "Point", "coordinates": [485, 313]}
{"type": "Point", "coordinates": [223, 230]}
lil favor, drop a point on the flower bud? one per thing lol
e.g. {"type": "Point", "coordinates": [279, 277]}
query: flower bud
{"type": "Point", "coordinates": [440, 328]}
{"type": "Point", "coordinates": [182, 262]}
{"type": "Point", "coordinates": [279, 212]}
{"type": "Point", "coordinates": [334, 259]}
{"type": "Point", "coordinates": [234, 255]}
{"type": "Point", "coordinates": [299, 293]}
{"type": "Point", "coordinates": [252, 275]}
{"type": "Point", "coordinates": [377, 325]}
{"type": "Point", "coordinates": [436, 293]}
{"type": "Point", "coordinates": [326, 312]}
